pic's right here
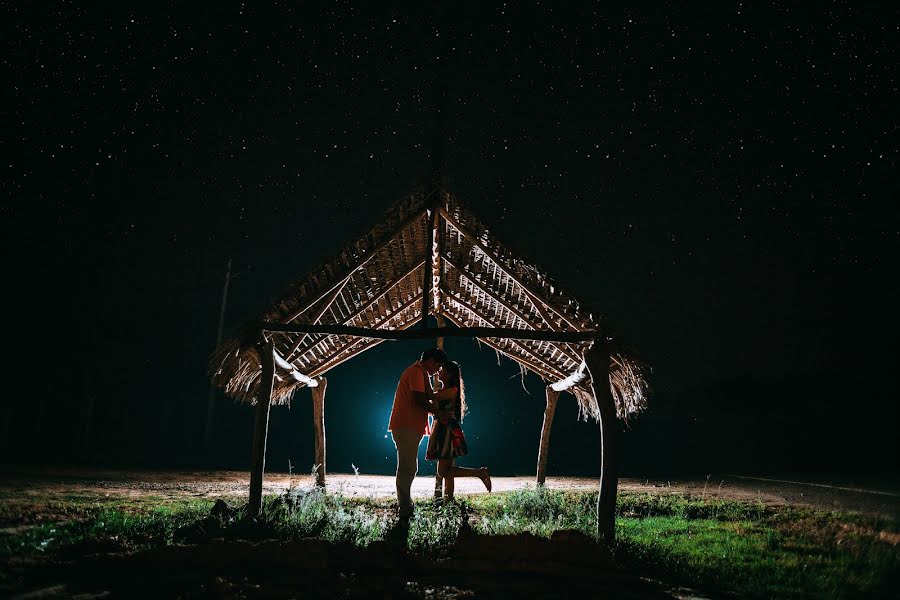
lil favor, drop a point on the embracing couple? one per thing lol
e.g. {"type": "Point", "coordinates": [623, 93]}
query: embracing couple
{"type": "Point", "coordinates": [433, 384]}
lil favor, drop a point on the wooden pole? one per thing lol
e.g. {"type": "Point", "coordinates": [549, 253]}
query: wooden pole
{"type": "Point", "coordinates": [552, 397]}
{"type": "Point", "coordinates": [597, 360]}
{"type": "Point", "coordinates": [438, 480]}
{"type": "Point", "coordinates": [211, 399]}
{"type": "Point", "coordinates": [318, 405]}
{"type": "Point", "coordinates": [261, 427]}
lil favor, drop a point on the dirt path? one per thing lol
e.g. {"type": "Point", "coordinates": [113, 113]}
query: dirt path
{"type": "Point", "coordinates": [883, 499]}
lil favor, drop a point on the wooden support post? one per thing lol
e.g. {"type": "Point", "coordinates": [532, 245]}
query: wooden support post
{"type": "Point", "coordinates": [597, 360]}
{"type": "Point", "coordinates": [438, 480]}
{"type": "Point", "coordinates": [261, 427]}
{"type": "Point", "coordinates": [552, 397]}
{"type": "Point", "coordinates": [318, 405]}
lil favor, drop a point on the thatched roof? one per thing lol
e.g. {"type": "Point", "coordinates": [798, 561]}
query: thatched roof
{"type": "Point", "coordinates": [376, 281]}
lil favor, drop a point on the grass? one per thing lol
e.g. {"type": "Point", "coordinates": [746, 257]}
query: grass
{"type": "Point", "coordinates": [116, 526]}
{"type": "Point", "coordinates": [704, 543]}
{"type": "Point", "coordinates": [331, 517]}
{"type": "Point", "coordinates": [717, 544]}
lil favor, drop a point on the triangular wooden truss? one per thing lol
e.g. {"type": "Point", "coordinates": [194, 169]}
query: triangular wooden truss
{"type": "Point", "coordinates": [429, 254]}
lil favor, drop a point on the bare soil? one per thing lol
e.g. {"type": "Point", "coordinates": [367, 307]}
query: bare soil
{"type": "Point", "coordinates": [877, 499]}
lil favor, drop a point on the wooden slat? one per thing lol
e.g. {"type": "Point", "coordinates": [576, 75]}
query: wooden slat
{"type": "Point", "coordinates": [533, 296]}
{"type": "Point", "coordinates": [411, 219]}
{"type": "Point", "coordinates": [366, 306]}
{"type": "Point", "coordinates": [505, 304]}
{"type": "Point", "coordinates": [550, 369]}
{"type": "Point", "coordinates": [487, 342]}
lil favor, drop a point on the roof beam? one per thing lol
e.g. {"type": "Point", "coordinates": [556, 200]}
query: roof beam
{"type": "Point", "coordinates": [436, 332]}
{"type": "Point", "coordinates": [436, 270]}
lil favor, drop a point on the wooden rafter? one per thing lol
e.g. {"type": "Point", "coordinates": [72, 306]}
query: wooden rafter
{"type": "Point", "coordinates": [488, 342]}
{"type": "Point", "coordinates": [370, 303]}
{"type": "Point", "coordinates": [529, 293]}
{"type": "Point", "coordinates": [509, 306]}
{"type": "Point", "coordinates": [325, 306]}
{"type": "Point", "coordinates": [361, 345]}
{"type": "Point", "coordinates": [412, 218]}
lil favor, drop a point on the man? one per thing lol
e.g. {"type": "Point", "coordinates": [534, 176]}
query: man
{"type": "Point", "coordinates": [409, 420]}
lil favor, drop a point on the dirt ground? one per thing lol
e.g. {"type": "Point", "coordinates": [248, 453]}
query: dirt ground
{"type": "Point", "coordinates": [880, 498]}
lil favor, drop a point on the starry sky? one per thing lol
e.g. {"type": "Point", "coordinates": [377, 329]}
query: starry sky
{"type": "Point", "coordinates": [719, 180]}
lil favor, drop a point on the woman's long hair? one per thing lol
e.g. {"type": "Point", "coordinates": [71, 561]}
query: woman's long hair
{"type": "Point", "coordinates": [455, 378]}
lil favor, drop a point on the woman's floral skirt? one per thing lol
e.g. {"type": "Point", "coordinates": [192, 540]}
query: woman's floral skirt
{"type": "Point", "coordinates": [447, 440]}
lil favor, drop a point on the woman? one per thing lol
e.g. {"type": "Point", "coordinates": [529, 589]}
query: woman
{"type": "Point", "coordinates": [447, 441]}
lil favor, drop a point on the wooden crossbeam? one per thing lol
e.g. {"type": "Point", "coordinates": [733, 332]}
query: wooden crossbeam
{"type": "Point", "coordinates": [436, 332]}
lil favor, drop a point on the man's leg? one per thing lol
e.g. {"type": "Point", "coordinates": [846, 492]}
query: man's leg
{"type": "Point", "coordinates": [407, 443]}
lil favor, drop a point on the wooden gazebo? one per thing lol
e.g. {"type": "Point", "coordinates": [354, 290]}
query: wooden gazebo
{"type": "Point", "coordinates": [429, 255]}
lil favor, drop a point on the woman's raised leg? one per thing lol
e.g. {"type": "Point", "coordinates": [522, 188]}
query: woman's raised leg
{"type": "Point", "coordinates": [483, 474]}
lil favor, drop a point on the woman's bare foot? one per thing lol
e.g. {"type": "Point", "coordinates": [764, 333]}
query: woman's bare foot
{"type": "Point", "coordinates": [485, 477]}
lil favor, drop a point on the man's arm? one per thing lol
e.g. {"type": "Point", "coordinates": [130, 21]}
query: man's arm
{"type": "Point", "coordinates": [421, 399]}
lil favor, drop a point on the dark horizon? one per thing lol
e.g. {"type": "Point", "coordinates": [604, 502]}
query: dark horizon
{"type": "Point", "coordinates": [720, 183]}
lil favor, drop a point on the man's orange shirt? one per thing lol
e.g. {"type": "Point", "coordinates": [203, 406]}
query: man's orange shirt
{"type": "Point", "coordinates": [406, 414]}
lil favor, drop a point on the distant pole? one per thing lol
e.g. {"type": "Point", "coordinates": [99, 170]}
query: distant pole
{"type": "Point", "coordinates": [211, 401]}
{"type": "Point", "coordinates": [544, 446]}
{"type": "Point", "coordinates": [261, 427]}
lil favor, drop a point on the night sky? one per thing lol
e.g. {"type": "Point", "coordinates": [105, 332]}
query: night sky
{"type": "Point", "coordinates": [719, 180]}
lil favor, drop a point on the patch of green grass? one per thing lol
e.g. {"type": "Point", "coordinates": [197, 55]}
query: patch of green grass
{"type": "Point", "coordinates": [434, 527]}
{"type": "Point", "coordinates": [704, 543]}
{"type": "Point", "coordinates": [539, 511]}
{"type": "Point", "coordinates": [714, 544]}
{"type": "Point", "coordinates": [753, 557]}
{"type": "Point", "coordinates": [331, 517]}
{"type": "Point", "coordinates": [109, 527]}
